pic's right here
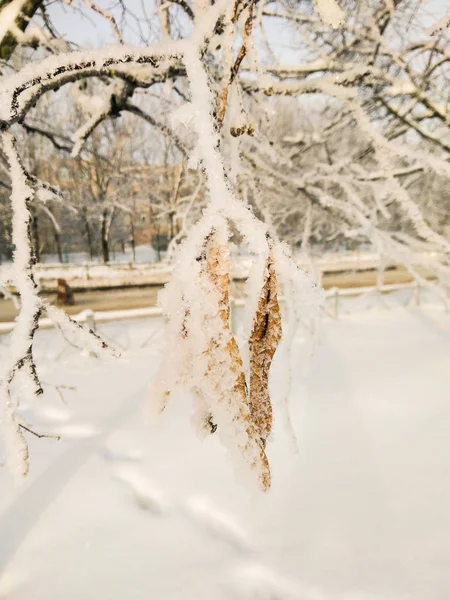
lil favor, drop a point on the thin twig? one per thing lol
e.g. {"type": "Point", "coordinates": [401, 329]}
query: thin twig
{"type": "Point", "coordinates": [40, 435]}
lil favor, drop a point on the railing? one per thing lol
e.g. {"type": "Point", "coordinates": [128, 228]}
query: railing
{"type": "Point", "coordinates": [332, 307]}
{"type": "Point", "coordinates": [97, 275]}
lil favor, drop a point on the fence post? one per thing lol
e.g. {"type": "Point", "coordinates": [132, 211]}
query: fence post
{"type": "Point", "coordinates": [64, 293]}
{"type": "Point", "coordinates": [414, 301]}
{"type": "Point", "coordinates": [90, 319]}
{"type": "Point", "coordinates": [90, 323]}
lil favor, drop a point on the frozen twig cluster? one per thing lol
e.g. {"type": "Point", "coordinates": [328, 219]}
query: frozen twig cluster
{"type": "Point", "coordinates": [21, 358]}
{"type": "Point", "coordinates": [207, 360]}
{"type": "Point", "coordinates": [206, 355]}
{"type": "Point", "coordinates": [352, 171]}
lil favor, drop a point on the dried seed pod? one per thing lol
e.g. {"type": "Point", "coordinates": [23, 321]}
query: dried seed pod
{"type": "Point", "coordinates": [263, 342]}
{"type": "Point", "coordinates": [218, 268]}
{"type": "Point", "coordinates": [224, 352]}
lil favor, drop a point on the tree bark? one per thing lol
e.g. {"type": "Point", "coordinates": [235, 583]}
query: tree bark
{"type": "Point", "coordinates": [104, 237]}
{"type": "Point", "coordinates": [58, 245]}
{"type": "Point", "coordinates": [133, 238]}
{"type": "Point", "coordinates": [56, 235]}
{"type": "Point", "coordinates": [35, 235]}
{"type": "Point", "coordinates": [172, 226]}
{"type": "Point", "coordinates": [88, 234]}
{"type": "Point", "coordinates": [9, 41]}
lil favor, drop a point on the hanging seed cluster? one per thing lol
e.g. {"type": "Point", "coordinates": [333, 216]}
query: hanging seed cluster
{"type": "Point", "coordinates": [211, 365]}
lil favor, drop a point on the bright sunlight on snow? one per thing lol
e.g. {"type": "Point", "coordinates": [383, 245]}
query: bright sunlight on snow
{"type": "Point", "coordinates": [358, 508]}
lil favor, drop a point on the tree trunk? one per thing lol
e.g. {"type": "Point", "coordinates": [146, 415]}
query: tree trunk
{"type": "Point", "coordinates": [172, 226]}
{"type": "Point", "coordinates": [2, 241]}
{"type": "Point", "coordinates": [58, 245]}
{"type": "Point", "coordinates": [150, 223]}
{"type": "Point", "coordinates": [133, 238]}
{"type": "Point", "coordinates": [104, 237]}
{"type": "Point", "coordinates": [56, 234]}
{"type": "Point", "coordinates": [35, 235]}
{"type": "Point", "coordinates": [88, 235]}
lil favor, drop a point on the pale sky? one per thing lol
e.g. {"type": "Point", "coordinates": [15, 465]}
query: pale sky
{"type": "Point", "coordinates": [95, 31]}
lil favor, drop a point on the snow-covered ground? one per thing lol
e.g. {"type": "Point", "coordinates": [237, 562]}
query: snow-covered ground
{"type": "Point", "coordinates": [124, 509]}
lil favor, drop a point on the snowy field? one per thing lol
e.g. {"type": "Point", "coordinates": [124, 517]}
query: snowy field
{"type": "Point", "coordinates": [121, 509]}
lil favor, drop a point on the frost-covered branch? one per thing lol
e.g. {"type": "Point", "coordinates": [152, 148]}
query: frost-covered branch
{"type": "Point", "coordinates": [21, 358]}
{"type": "Point", "coordinates": [208, 360]}
{"type": "Point", "coordinates": [346, 171]}
{"type": "Point", "coordinates": [21, 354]}
{"type": "Point", "coordinates": [15, 16]}
{"type": "Point", "coordinates": [19, 92]}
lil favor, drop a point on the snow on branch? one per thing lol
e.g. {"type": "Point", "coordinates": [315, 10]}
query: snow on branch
{"type": "Point", "coordinates": [21, 358]}
{"type": "Point", "coordinates": [441, 24]}
{"type": "Point", "coordinates": [330, 12]}
{"type": "Point", "coordinates": [8, 16]}
{"type": "Point", "coordinates": [203, 355]}
{"type": "Point", "coordinates": [109, 105]}
{"type": "Point", "coordinates": [19, 92]}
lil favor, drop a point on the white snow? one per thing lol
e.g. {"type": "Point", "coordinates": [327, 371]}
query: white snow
{"type": "Point", "coordinates": [330, 12]}
{"type": "Point", "coordinates": [137, 511]}
{"type": "Point", "coordinates": [441, 24]}
{"type": "Point", "coordinates": [8, 16]}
